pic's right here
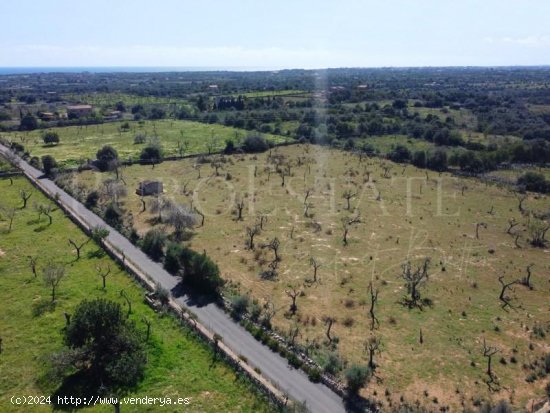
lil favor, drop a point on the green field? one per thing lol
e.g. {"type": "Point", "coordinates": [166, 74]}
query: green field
{"type": "Point", "coordinates": [179, 365]}
{"type": "Point", "coordinates": [441, 224]}
{"type": "Point", "coordinates": [78, 143]}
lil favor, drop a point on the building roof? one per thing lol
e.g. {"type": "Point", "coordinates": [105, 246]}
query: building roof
{"type": "Point", "coordinates": [79, 107]}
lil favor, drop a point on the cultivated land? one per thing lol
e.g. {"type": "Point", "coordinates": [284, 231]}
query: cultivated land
{"type": "Point", "coordinates": [79, 143]}
{"type": "Point", "coordinates": [448, 368]}
{"type": "Point", "coordinates": [179, 365]}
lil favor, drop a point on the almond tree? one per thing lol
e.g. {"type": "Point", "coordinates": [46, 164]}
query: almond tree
{"type": "Point", "coordinates": [414, 278]}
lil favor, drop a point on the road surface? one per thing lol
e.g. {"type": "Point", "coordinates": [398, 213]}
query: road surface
{"type": "Point", "coordinates": [318, 397]}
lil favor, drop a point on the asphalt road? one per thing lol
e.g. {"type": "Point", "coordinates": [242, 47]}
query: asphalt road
{"type": "Point", "coordinates": [275, 368]}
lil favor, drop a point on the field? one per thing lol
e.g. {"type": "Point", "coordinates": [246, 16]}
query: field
{"type": "Point", "coordinates": [437, 219]}
{"type": "Point", "coordinates": [179, 365]}
{"type": "Point", "coordinates": [78, 143]}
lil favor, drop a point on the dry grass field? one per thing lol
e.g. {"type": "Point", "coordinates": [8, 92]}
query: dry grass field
{"type": "Point", "coordinates": [432, 355]}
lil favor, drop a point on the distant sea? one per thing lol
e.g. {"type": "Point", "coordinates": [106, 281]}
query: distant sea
{"type": "Point", "coordinates": [121, 69]}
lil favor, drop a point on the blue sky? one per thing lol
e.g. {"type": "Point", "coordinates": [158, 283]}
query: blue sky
{"type": "Point", "coordinates": [275, 34]}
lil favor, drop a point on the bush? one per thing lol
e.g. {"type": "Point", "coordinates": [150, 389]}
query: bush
{"type": "Point", "coordinates": [314, 375]}
{"type": "Point", "coordinates": [106, 158]}
{"type": "Point", "coordinates": [172, 262]}
{"type": "Point", "coordinates": [139, 139]}
{"type": "Point", "coordinates": [255, 144]}
{"type": "Point", "coordinates": [356, 377]}
{"type": "Point", "coordinates": [294, 361]}
{"type": "Point", "coordinates": [50, 138]}
{"type": "Point", "coordinates": [200, 272]}
{"type": "Point", "coordinates": [153, 244]}
{"type": "Point", "coordinates": [229, 147]}
{"type": "Point", "coordinates": [151, 154]}
{"type": "Point", "coordinates": [113, 216]}
{"type": "Point", "coordinates": [28, 122]}
{"type": "Point", "coordinates": [239, 305]}
{"type": "Point", "coordinates": [533, 181]}
{"type": "Point", "coordinates": [400, 154]}
{"type": "Point", "coordinates": [49, 164]}
{"type": "Point", "coordinates": [91, 199]}
{"type": "Point", "coordinates": [35, 162]}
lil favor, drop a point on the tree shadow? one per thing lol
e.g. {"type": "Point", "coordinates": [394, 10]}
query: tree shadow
{"type": "Point", "coordinates": [191, 297]}
{"type": "Point", "coordinates": [99, 253]}
{"type": "Point", "coordinates": [357, 404]}
{"type": "Point", "coordinates": [75, 392]}
{"type": "Point", "coordinates": [41, 228]}
{"type": "Point", "coordinates": [42, 306]}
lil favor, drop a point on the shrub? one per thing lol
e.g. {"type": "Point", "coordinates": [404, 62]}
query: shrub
{"type": "Point", "coordinates": [172, 262]}
{"type": "Point", "coordinates": [153, 244]}
{"type": "Point", "coordinates": [151, 154]}
{"type": "Point", "coordinates": [533, 181]}
{"type": "Point", "coordinates": [49, 164]}
{"type": "Point", "coordinates": [139, 139]}
{"type": "Point", "coordinates": [239, 305]}
{"type": "Point", "coordinates": [255, 144]}
{"type": "Point", "coordinates": [91, 199]}
{"type": "Point", "coordinates": [333, 364]}
{"type": "Point", "coordinates": [50, 138]}
{"type": "Point", "coordinates": [106, 157]}
{"type": "Point", "coordinates": [356, 377]}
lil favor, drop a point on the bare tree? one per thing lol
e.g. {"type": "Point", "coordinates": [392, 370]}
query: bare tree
{"type": "Point", "coordinates": [307, 194]}
{"type": "Point", "coordinates": [316, 265]}
{"type": "Point", "coordinates": [114, 190]}
{"type": "Point", "coordinates": [537, 230]}
{"type": "Point", "coordinates": [200, 213]}
{"type": "Point", "coordinates": [239, 205]}
{"type": "Point", "coordinates": [511, 224]}
{"type": "Point", "coordinates": [181, 218]}
{"type": "Point", "coordinates": [24, 195]}
{"type": "Point", "coordinates": [526, 281]}
{"type": "Point", "coordinates": [478, 225]}
{"type": "Point", "coordinates": [347, 222]}
{"type": "Point", "coordinates": [293, 333]}
{"type": "Point", "coordinates": [274, 245]}
{"type": "Point", "coordinates": [261, 219]}
{"type": "Point", "coordinates": [329, 321]}
{"type": "Point", "coordinates": [251, 232]}
{"type": "Point", "coordinates": [521, 200]}
{"type": "Point", "coordinates": [269, 311]}
{"type": "Point", "coordinates": [372, 346]}
{"type": "Point", "coordinates": [293, 293]}
{"type": "Point", "coordinates": [103, 272]}
{"type": "Point", "coordinates": [414, 278]}
{"type": "Point", "coordinates": [373, 300]}
{"type": "Point", "coordinates": [216, 164]}
{"type": "Point", "coordinates": [128, 302]}
{"type": "Point", "coordinates": [387, 168]}
{"type": "Point", "coordinates": [78, 247]}
{"type": "Point", "coordinates": [33, 261]}
{"type": "Point", "coordinates": [160, 204]}
{"type": "Point", "coordinates": [197, 167]}
{"type": "Point", "coordinates": [52, 275]}
{"type": "Point", "coordinates": [505, 286]}
{"type": "Point", "coordinates": [348, 195]}
{"type": "Point", "coordinates": [148, 323]}
{"type": "Point", "coordinates": [10, 215]}
{"type": "Point", "coordinates": [488, 353]}
{"type": "Point", "coordinates": [307, 207]}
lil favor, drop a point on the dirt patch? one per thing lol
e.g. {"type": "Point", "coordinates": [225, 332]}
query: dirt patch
{"type": "Point", "coordinates": [2, 253]}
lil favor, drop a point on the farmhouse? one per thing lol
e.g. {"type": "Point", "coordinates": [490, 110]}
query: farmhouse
{"type": "Point", "coordinates": [149, 188]}
{"type": "Point", "coordinates": [79, 110]}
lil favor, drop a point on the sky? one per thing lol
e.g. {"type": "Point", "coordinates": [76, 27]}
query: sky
{"type": "Point", "coordinates": [274, 34]}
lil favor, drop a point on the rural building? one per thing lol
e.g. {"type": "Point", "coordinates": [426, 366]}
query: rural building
{"type": "Point", "coordinates": [46, 116]}
{"type": "Point", "coordinates": [113, 115]}
{"type": "Point", "coordinates": [79, 110]}
{"type": "Point", "coordinates": [149, 188]}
